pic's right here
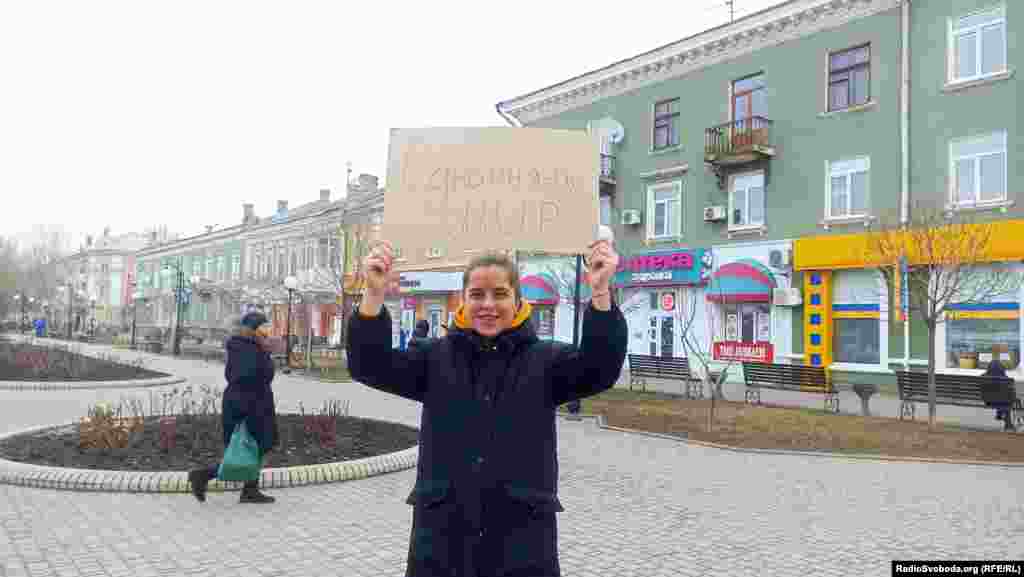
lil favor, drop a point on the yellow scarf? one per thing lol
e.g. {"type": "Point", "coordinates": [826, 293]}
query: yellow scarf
{"type": "Point", "coordinates": [521, 316]}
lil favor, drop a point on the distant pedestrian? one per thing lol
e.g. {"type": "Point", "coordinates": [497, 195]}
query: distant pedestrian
{"type": "Point", "coordinates": [248, 398]}
{"type": "Point", "coordinates": [421, 333]}
{"type": "Point", "coordinates": [999, 390]}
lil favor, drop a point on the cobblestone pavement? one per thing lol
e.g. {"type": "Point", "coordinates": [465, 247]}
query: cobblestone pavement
{"type": "Point", "coordinates": [635, 505]}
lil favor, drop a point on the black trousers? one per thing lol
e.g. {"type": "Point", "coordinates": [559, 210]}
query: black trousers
{"type": "Point", "coordinates": [211, 473]}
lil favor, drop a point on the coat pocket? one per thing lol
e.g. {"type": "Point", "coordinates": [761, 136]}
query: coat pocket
{"type": "Point", "coordinates": [535, 502]}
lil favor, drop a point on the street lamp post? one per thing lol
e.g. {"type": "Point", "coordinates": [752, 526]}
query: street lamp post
{"type": "Point", "coordinates": [135, 314]}
{"type": "Point", "coordinates": [179, 298]}
{"type": "Point", "coordinates": [290, 283]}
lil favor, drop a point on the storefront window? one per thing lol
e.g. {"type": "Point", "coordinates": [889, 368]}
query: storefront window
{"type": "Point", "coordinates": [973, 343]}
{"type": "Point", "coordinates": [543, 320]}
{"type": "Point", "coordinates": [856, 341]}
{"type": "Point", "coordinates": [747, 322]}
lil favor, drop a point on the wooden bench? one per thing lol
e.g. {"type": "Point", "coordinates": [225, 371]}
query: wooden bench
{"type": "Point", "coordinates": [797, 378]}
{"type": "Point", "coordinates": [958, 390]}
{"type": "Point", "coordinates": [643, 367]}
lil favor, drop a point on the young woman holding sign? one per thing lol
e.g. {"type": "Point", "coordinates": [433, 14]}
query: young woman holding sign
{"type": "Point", "coordinates": [486, 489]}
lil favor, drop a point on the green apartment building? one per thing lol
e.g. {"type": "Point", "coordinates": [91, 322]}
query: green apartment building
{"type": "Point", "coordinates": [739, 164]}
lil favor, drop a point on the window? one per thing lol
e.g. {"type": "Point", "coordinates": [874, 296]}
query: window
{"type": "Point", "coordinates": [746, 201]}
{"type": "Point", "coordinates": [749, 99]}
{"type": "Point", "coordinates": [323, 252]}
{"type": "Point", "coordinates": [197, 267]}
{"type": "Point", "coordinates": [282, 262]}
{"type": "Point", "coordinates": [748, 322]}
{"type": "Point", "coordinates": [974, 342]}
{"type": "Point", "coordinates": [236, 266]}
{"type": "Point", "coordinates": [257, 265]}
{"type": "Point", "coordinates": [294, 262]}
{"type": "Point", "coordinates": [978, 169]}
{"type": "Point", "coordinates": [666, 124]}
{"type": "Point", "coordinates": [311, 254]}
{"type": "Point", "coordinates": [856, 341]}
{"type": "Point", "coordinates": [606, 210]}
{"type": "Point", "coordinates": [664, 204]}
{"type": "Point", "coordinates": [335, 263]}
{"type": "Point", "coordinates": [848, 188]}
{"type": "Point", "coordinates": [221, 269]}
{"type": "Point", "coordinates": [978, 45]}
{"type": "Point", "coordinates": [211, 272]}
{"type": "Point", "coordinates": [849, 78]}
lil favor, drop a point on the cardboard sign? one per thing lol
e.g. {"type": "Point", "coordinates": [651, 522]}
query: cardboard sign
{"type": "Point", "coordinates": [453, 193]}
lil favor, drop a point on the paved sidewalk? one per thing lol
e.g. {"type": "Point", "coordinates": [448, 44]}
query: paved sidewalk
{"type": "Point", "coordinates": [635, 505]}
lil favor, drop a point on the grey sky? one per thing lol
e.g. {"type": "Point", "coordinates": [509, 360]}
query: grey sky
{"type": "Point", "coordinates": [135, 113]}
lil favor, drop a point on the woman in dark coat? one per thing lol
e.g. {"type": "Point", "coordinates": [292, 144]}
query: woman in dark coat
{"type": "Point", "coordinates": [486, 493]}
{"type": "Point", "coordinates": [248, 397]}
{"type": "Point", "coordinates": [998, 392]}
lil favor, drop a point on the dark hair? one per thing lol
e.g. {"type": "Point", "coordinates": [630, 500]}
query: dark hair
{"type": "Point", "coordinates": [422, 328]}
{"type": "Point", "coordinates": [496, 259]}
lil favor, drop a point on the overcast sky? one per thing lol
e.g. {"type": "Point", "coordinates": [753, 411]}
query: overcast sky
{"type": "Point", "coordinates": [139, 113]}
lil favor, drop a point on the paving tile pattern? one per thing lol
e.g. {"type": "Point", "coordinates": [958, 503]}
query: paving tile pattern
{"type": "Point", "coordinates": [635, 505]}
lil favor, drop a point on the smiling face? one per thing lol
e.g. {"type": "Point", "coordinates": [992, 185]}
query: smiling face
{"type": "Point", "coordinates": [490, 300]}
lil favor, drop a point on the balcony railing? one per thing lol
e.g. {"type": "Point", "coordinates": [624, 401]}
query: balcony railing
{"type": "Point", "coordinates": [739, 137]}
{"type": "Point", "coordinates": [608, 167]}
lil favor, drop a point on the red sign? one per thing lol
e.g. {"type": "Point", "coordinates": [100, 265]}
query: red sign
{"type": "Point", "coordinates": [668, 301]}
{"type": "Point", "coordinates": [737, 351]}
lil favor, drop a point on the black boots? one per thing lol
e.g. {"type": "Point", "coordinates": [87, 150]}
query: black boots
{"type": "Point", "coordinates": [253, 495]}
{"type": "Point", "coordinates": [199, 479]}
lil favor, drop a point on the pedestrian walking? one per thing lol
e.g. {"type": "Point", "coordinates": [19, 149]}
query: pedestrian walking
{"type": "Point", "coordinates": [248, 398]}
{"type": "Point", "coordinates": [486, 493]}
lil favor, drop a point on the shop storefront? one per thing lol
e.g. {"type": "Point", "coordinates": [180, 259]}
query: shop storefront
{"type": "Point", "coordinates": [746, 321]}
{"type": "Point", "coordinates": [433, 296]}
{"type": "Point", "coordinates": [849, 324]}
{"type": "Point", "coordinates": [659, 290]}
{"type": "Point", "coordinates": [548, 283]}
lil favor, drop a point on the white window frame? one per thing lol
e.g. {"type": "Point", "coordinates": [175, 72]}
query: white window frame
{"type": "Point", "coordinates": [236, 266]}
{"type": "Point", "coordinates": [210, 273]}
{"type": "Point", "coordinates": [601, 202]}
{"type": "Point", "coordinates": [732, 208]}
{"type": "Point", "coordinates": [953, 33]}
{"type": "Point", "coordinates": [954, 183]}
{"type": "Point", "coordinates": [676, 225]}
{"type": "Point", "coordinates": [847, 172]}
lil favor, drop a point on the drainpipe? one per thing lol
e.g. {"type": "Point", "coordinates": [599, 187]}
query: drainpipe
{"type": "Point", "coordinates": [905, 112]}
{"type": "Point", "coordinates": [508, 118]}
{"type": "Point", "coordinates": [905, 149]}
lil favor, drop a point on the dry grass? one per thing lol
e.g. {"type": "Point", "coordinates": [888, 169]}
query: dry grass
{"type": "Point", "coordinates": [774, 427]}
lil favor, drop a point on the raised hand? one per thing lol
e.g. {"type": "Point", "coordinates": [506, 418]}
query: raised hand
{"type": "Point", "coordinates": [602, 264]}
{"type": "Point", "coordinates": [377, 268]}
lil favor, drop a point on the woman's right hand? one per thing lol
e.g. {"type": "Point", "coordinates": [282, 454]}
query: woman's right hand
{"type": "Point", "coordinates": [377, 268]}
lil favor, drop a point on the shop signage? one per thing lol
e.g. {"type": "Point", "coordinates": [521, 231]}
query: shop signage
{"type": "Point", "coordinates": [408, 303]}
{"type": "Point", "coordinates": [664, 267]}
{"type": "Point", "coordinates": [429, 281]}
{"type": "Point", "coordinates": [737, 351]}
{"type": "Point", "coordinates": [668, 302]}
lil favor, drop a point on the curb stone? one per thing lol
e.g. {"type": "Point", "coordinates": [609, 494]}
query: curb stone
{"type": "Point", "coordinates": [69, 479]}
{"type": "Point", "coordinates": [90, 385]}
{"type": "Point", "coordinates": [601, 422]}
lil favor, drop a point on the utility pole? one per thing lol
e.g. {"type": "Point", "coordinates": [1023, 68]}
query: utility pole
{"type": "Point", "coordinates": [732, 9]}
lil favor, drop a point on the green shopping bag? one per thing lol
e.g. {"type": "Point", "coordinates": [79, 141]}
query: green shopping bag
{"type": "Point", "coordinates": [242, 458]}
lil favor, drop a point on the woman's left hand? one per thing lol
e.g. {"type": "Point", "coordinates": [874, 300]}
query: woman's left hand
{"type": "Point", "coordinates": [602, 264]}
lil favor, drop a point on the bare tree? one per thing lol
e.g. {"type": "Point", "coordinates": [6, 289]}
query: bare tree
{"type": "Point", "coordinates": [700, 348]}
{"type": "Point", "coordinates": [942, 262]}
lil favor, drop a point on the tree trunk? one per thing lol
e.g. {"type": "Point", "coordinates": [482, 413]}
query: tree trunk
{"type": "Point", "coordinates": [931, 376]}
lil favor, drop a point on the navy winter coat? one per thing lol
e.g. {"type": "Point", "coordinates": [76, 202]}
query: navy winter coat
{"type": "Point", "coordinates": [486, 490]}
{"type": "Point", "coordinates": [248, 396]}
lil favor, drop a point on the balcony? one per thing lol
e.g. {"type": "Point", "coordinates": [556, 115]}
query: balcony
{"type": "Point", "coordinates": [607, 175]}
{"type": "Point", "coordinates": [738, 142]}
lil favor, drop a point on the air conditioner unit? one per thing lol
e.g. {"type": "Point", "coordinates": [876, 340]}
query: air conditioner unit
{"type": "Point", "coordinates": [781, 258]}
{"type": "Point", "coordinates": [434, 253]}
{"type": "Point", "coordinates": [787, 297]}
{"type": "Point", "coordinates": [713, 213]}
{"type": "Point", "coordinates": [631, 216]}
